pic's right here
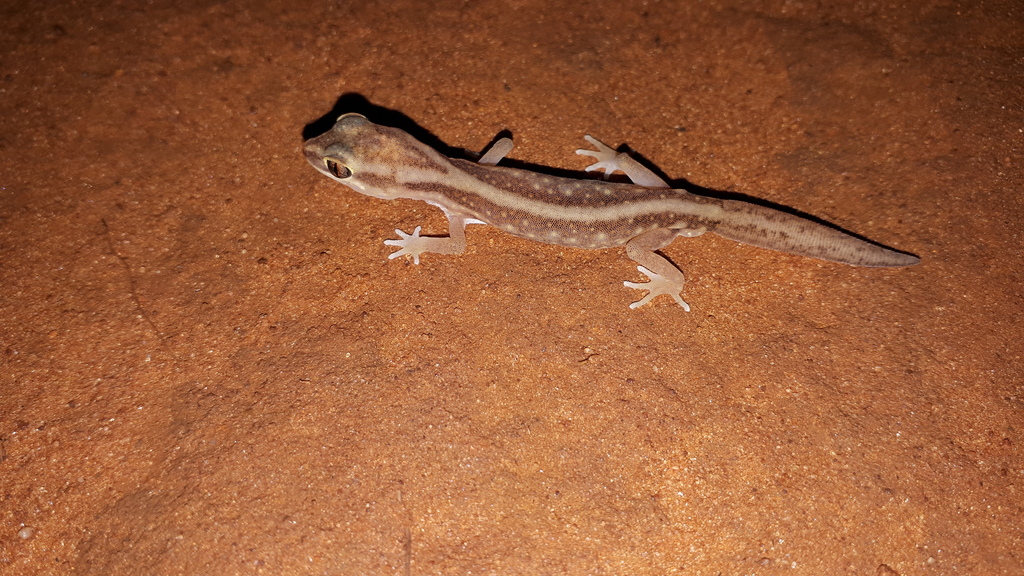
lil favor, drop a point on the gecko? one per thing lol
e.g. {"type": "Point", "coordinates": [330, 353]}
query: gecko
{"type": "Point", "coordinates": [645, 216]}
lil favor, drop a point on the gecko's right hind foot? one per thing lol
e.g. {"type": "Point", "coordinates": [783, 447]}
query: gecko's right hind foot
{"type": "Point", "coordinates": [657, 286]}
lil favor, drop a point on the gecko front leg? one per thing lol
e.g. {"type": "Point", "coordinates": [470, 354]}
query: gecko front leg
{"type": "Point", "coordinates": [496, 152]}
{"type": "Point", "coordinates": [414, 244]}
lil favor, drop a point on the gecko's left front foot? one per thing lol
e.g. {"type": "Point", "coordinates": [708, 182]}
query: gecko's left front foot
{"type": "Point", "coordinates": [657, 286]}
{"type": "Point", "coordinates": [606, 157]}
{"type": "Point", "coordinates": [411, 244]}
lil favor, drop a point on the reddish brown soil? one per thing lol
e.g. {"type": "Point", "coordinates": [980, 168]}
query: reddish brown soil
{"type": "Point", "coordinates": [209, 366]}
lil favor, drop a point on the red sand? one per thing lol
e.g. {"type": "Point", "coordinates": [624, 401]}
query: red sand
{"type": "Point", "coordinates": [210, 367]}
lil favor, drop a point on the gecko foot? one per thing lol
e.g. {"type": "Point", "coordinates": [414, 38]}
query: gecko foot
{"type": "Point", "coordinates": [605, 156]}
{"type": "Point", "coordinates": [411, 244]}
{"type": "Point", "coordinates": [657, 286]}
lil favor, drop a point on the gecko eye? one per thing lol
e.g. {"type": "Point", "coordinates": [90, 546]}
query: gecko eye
{"type": "Point", "coordinates": [338, 170]}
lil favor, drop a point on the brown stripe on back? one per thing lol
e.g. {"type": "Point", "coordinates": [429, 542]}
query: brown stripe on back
{"type": "Point", "coordinates": [553, 190]}
{"type": "Point", "coordinates": [561, 191]}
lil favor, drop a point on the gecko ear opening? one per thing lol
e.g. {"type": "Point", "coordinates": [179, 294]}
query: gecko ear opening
{"type": "Point", "coordinates": [336, 169]}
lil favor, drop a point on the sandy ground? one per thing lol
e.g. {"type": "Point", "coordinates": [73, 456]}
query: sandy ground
{"type": "Point", "coordinates": [209, 365]}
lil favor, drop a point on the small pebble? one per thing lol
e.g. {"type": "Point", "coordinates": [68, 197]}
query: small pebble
{"type": "Point", "coordinates": [26, 532]}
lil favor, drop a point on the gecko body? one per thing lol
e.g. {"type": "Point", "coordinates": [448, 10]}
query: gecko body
{"type": "Point", "coordinates": [644, 216]}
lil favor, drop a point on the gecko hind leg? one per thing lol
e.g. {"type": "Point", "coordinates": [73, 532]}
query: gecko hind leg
{"type": "Point", "coordinates": [656, 286]}
{"type": "Point", "coordinates": [611, 161]}
{"type": "Point", "coordinates": [663, 277]}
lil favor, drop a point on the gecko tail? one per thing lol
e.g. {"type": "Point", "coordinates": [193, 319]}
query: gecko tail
{"type": "Point", "coordinates": [776, 230]}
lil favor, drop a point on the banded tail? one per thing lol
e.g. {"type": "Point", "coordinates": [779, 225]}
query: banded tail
{"type": "Point", "coordinates": [768, 228]}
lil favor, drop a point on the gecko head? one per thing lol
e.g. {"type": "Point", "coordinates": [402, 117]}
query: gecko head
{"type": "Point", "coordinates": [369, 158]}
